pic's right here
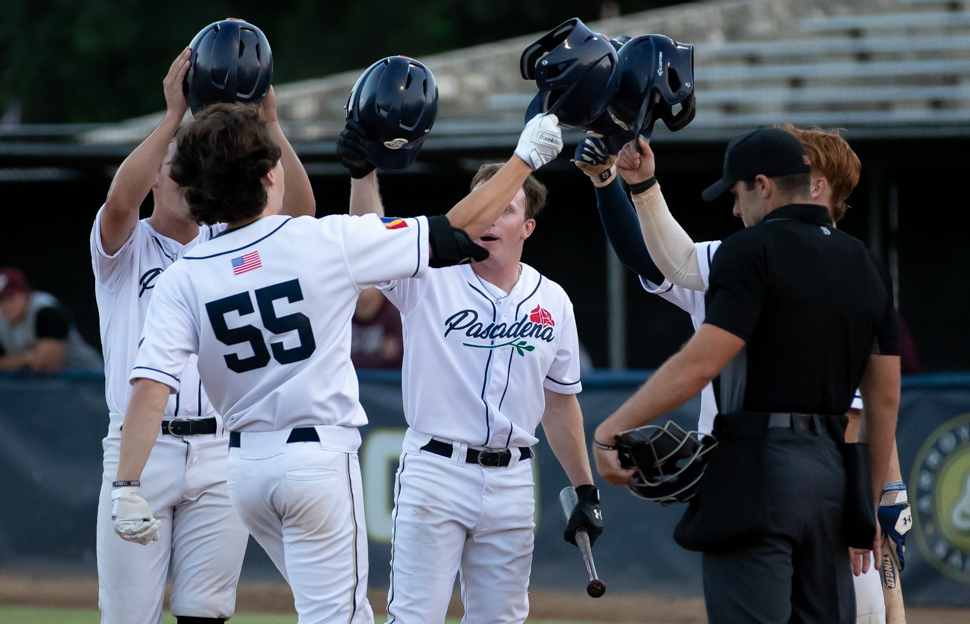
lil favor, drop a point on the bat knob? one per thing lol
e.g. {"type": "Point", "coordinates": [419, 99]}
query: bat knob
{"type": "Point", "coordinates": [596, 588]}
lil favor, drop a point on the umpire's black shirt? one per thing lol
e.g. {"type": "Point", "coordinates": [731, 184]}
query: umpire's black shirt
{"type": "Point", "coordinates": [812, 304]}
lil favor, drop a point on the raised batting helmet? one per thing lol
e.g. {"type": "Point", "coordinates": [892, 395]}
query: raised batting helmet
{"type": "Point", "coordinates": [669, 461]}
{"type": "Point", "coordinates": [395, 100]}
{"type": "Point", "coordinates": [574, 69]}
{"type": "Point", "coordinates": [655, 78]}
{"type": "Point", "coordinates": [231, 62]}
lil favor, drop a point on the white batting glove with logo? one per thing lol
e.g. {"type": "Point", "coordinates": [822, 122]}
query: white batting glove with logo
{"type": "Point", "coordinates": [540, 141]}
{"type": "Point", "coordinates": [132, 517]}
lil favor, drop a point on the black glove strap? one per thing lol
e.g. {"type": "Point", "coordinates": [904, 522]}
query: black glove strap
{"type": "Point", "coordinates": [642, 187]}
{"type": "Point", "coordinates": [451, 246]}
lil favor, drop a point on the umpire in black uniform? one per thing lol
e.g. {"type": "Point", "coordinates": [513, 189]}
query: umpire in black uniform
{"type": "Point", "coordinates": [798, 315]}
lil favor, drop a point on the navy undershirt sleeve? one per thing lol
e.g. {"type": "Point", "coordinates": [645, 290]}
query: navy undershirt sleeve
{"type": "Point", "coordinates": [623, 231]}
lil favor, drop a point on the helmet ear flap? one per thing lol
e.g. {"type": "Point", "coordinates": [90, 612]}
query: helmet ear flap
{"type": "Point", "coordinates": [531, 55]}
{"type": "Point", "coordinates": [680, 119]}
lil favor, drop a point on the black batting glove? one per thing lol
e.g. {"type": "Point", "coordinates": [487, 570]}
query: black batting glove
{"type": "Point", "coordinates": [352, 148]}
{"type": "Point", "coordinates": [586, 515]}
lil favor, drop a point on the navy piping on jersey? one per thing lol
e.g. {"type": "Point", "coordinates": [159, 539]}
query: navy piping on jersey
{"type": "Point", "coordinates": [529, 297]}
{"type": "Point", "coordinates": [158, 371]}
{"type": "Point", "coordinates": [162, 248]}
{"type": "Point", "coordinates": [669, 288]}
{"type": "Point", "coordinates": [488, 364]}
{"type": "Point", "coordinates": [229, 229]}
{"type": "Point", "coordinates": [222, 253]}
{"type": "Point", "coordinates": [177, 395]}
{"type": "Point", "coordinates": [562, 383]}
{"type": "Point", "coordinates": [418, 267]}
{"type": "Point", "coordinates": [198, 409]}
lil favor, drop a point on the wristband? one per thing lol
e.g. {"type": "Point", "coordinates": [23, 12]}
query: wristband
{"type": "Point", "coordinates": [118, 484]}
{"type": "Point", "coordinates": [603, 447]}
{"type": "Point", "coordinates": [893, 485]}
{"type": "Point", "coordinates": [642, 187]}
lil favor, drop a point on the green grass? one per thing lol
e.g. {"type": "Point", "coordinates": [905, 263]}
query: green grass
{"type": "Point", "coordinates": [26, 615]}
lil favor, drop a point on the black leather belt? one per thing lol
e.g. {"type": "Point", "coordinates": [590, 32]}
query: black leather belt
{"type": "Point", "coordinates": [805, 421]}
{"type": "Point", "coordinates": [488, 459]}
{"type": "Point", "coordinates": [181, 427]}
{"type": "Point", "coordinates": [300, 434]}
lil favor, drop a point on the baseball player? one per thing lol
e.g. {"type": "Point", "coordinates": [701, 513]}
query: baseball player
{"type": "Point", "coordinates": [490, 351]}
{"type": "Point", "coordinates": [267, 305]}
{"type": "Point", "coordinates": [835, 174]}
{"type": "Point", "coordinates": [199, 536]}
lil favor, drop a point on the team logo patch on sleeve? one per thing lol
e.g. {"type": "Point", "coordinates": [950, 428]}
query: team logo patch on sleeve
{"type": "Point", "coordinates": [394, 223]}
{"type": "Point", "coordinates": [542, 317]}
{"type": "Point", "coordinates": [245, 263]}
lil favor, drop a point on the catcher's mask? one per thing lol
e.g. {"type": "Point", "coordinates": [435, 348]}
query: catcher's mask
{"type": "Point", "coordinates": [669, 461]}
{"type": "Point", "coordinates": [575, 70]}
{"type": "Point", "coordinates": [231, 62]}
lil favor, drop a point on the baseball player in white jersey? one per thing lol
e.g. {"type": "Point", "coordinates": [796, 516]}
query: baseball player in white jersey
{"type": "Point", "coordinates": [200, 538]}
{"type": "Point", "coordinates": [267, 307]}
{"type": "Point", "coordinates": [490, 351]}
{"type": "Point", "coordinates": [673, 254]}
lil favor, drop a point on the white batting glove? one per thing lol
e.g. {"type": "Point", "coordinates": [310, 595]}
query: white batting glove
{"type": "Point", "coordinates": [132, 517]}
{"type": "Point", "coordinates": [540, 142]}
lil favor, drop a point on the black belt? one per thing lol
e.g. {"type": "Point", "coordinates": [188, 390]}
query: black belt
{"type": "Point", "coordinates": [181, 427]}
{"type": "Point", "coordinates": [488, 459]}
{"type": "Point", "coordinates": [806, 421]}
{"type": "Point", "coordinates": [300, 434]}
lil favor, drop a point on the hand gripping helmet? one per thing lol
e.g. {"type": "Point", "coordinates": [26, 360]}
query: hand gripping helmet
{"type": "Point", "coordinates": [655, 77]}
{"type": "Point", "coordinates": [575, 71]}
{"type": "Point", "coordinates": [231, 62]}
{"type": "Point", "coordinates": [669, 461]}
{"type": "Point", "coordinates": [396, 101]}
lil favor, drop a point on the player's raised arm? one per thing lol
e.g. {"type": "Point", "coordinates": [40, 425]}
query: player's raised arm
{"type": "Point", "coordinates": [298, 198]}
{"type": "Point", "coordinates": [539, 143]}
{"type": "Point", "coordinates": [365, 195]}
{"type": "Point", "coordinates": [670, 247]}
{"type": "Point", "coordinates": [136, 174]}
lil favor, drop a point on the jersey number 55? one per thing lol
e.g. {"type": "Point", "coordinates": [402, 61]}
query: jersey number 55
{"type": "Point", "coordinates": [243, 304]}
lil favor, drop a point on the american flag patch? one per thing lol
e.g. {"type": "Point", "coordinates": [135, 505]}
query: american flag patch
{"type": "Point", "coordinates": [394, 223]}
{"type": "Point", "coordinates": [248, 262]}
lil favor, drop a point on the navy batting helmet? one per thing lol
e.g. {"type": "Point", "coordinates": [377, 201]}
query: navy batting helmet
{"type": "Point", "coordinates": [574, 69]}
{"type": "Point", "coordinates": [655, 78]}
{"type": "Point", "coordinates": [669, 461]}
{"type": "Point", "coordinates": [396, 101]}
{"type": "Point", "coordinates": [231, 62]}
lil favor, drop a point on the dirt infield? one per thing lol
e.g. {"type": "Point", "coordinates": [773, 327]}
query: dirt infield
{"type": "Point", "coordinates": [276, 598]}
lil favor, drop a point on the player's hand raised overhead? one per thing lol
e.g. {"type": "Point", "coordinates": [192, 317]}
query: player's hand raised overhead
{"type": "Point", "coordinates": [635, 162]}
{"type": "Point", "coordinates": [267, 108]}
{"type": "Point", "coordinates": [594, 159]}
{"type": "Point", "coordinates": [172, 85]}
{"type": "Point", "coordinates": [132, 517]}
{"type": "Point", "coordinates": [352, 147]}
{"type": "Point", "coordinates": [540, 141]}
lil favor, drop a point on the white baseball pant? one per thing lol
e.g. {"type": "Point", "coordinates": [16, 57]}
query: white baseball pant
{"type": "Point", "coordinates": [870, 603]}
{"type": "Point", "coordinates": [304, 504]}
{"type": "Point", "coordinates": [450, 517]}
{"type": "Point", "coordinates": [184, 483]}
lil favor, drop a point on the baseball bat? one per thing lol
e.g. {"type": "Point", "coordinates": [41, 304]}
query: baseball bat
{"type": "Point", "coordinates": [891, 590]}
{"type": "Point", "coordinates": [568, 502]}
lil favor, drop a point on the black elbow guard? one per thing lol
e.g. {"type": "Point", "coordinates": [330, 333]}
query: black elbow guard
{"type": "Point", "coordinates": [451, 245]}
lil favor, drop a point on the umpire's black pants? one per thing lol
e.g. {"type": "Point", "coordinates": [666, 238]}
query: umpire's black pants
{"type": "Point", "coordinates": [800, 572]}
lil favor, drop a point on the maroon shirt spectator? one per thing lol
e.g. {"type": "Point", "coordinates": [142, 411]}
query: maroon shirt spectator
{"type": "Point", "coordinates": [376, 339]}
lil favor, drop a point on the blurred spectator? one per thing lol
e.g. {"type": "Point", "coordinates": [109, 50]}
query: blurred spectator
{"type": "Point", "coordinates": [376, 339]}
{"type": "Point", "coordinates": [36, 331]}
{"type": "Point", "coordinates": [908, 359]}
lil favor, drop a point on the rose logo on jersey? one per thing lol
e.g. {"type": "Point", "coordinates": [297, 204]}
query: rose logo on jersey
{"type": "Point", "coordinates": [941, 514]}
{"type": "Point", "coordinates": [542, 316]}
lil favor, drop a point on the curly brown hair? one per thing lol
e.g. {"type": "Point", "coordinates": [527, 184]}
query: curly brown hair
{"type": "Point", "coordinates": [220, 160]}
{"type": "Point", "coordinates": [833, 159]}
{"type": "Point", "coordinates": [535, 191]}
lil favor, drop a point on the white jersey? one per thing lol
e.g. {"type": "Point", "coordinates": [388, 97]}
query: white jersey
{"type": "Point", "coordinates": [268, 306]}
{"type": "Point", "coordinates": [692, 302]}
{"type": "Point", "coordinates": [124, 284]}
{"type": "Point", "coordinates": [476, 359]}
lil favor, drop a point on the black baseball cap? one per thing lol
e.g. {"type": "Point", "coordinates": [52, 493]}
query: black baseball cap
{"type": "Point", "coordinates": [766, 151]}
